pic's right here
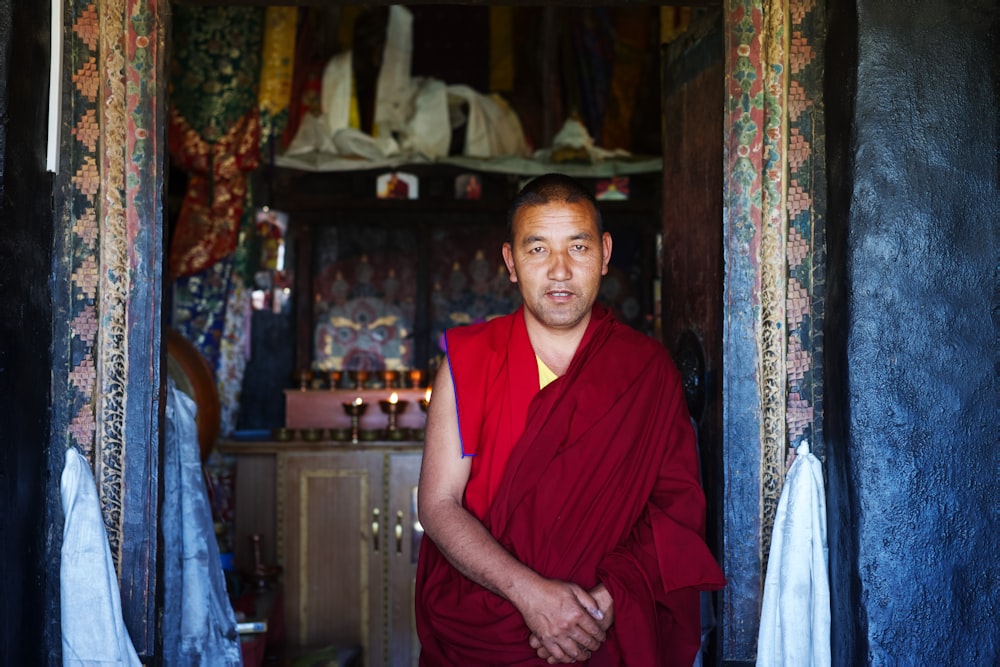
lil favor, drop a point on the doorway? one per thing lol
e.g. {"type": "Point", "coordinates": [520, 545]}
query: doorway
{"type": "Point", "coordinates": [744, 225]}
{"type": "Point", "coordinates": [691, 222]}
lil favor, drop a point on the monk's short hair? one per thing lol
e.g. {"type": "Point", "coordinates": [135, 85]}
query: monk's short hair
{"type": "Point", "coordinates": [552, 189]}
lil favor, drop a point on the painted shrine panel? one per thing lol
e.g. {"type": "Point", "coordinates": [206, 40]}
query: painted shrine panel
{"type": "Point", "coordinates": [469, 282]}
{"type": "Point", "coordinates": [364, 298]}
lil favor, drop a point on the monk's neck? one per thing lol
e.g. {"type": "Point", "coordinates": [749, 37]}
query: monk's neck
{"type": "Point", "coordinates": [555, 347]}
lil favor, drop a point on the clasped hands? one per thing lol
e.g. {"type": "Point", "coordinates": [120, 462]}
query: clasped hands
{"type": "Point", "coordinates": [567, 623]}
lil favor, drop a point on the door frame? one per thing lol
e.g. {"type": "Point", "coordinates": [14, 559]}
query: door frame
{"type": "Point", "coordinates": [774, 216]}
{"type": "Point", "coordinates": [112, 218]}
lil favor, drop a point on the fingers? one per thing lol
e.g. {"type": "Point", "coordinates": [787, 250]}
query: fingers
{"type": "Point", "coordinates": [558, 655]}
{"type": "Point", "coordinates": [563, 620]}
{"type": "Point", "coordinates": [590, 634]}
{"type": "Point", "coordinates": [589, 640]}
{"type": "Point", "coordinates": [606, 604]}
{"type": "Point", "coordinates": [588, 602]}
{"type": "Point", "coordinates": [590, 623]}
{"type": "Point", "coordinates": [561, 650]}
{"type": "Point", "coordinates": [544, 654]}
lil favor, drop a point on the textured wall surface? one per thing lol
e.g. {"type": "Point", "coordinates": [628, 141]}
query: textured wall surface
{"type": "Point", "coordinates": [918, 455]}
{"type": "Point", "coordinates": [28, 581]}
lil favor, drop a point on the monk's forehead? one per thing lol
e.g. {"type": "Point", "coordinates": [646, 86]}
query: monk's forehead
{"type": "Point", "coordinates": [578, 214]}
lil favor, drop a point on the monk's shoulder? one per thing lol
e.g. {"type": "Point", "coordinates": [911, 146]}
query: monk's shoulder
{"type": "Point", "coordinates": [480, 336]}
{"type": "Point", "coordinates": [642, 350]}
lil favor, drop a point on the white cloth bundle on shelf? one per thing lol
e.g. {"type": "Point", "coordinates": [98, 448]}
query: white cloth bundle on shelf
{"type": "Point", "coordinates": [492, 127]}
{"type": "Point", "coordinates": [394, 89]}
{"type": "Point", "coordinates": [414, 117]}
{"type": "Point", "coordinates": [428, 132]}
{"type": "Point", "coordinates": [335, 92]}
{"type": "Point", "coordinates": [795, 613]}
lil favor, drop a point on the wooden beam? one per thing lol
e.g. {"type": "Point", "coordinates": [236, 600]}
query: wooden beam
{"type": "Point", "coordinates": [515, 3]}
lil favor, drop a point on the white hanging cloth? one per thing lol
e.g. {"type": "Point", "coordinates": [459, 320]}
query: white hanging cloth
{"type": "Point", "coordinates": [795, 614]}
{"type": "Point", "coordinates": [394, 89]}
{"type": "Point", "coordinates": [93, 630]}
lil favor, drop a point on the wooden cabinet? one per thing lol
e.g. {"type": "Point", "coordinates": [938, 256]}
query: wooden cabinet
{"type": "Point", "coordinates": [404, 473]}
{"type": "Point", "coordinates": [347, 535]}
{"type": "Point", "coordinates": [331, 545]}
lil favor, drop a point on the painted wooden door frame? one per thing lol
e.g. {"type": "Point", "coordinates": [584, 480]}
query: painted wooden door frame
{"type": "Point", "coordinates": [106, 370]}
{"type": "Point", "coordinates": [774, 282]}
{"type": "Point", "coordinates": [108, 281]}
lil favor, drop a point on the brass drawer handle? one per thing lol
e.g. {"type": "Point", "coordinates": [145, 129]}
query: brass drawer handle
{"type": "Point", "coordinates": [376, 522]}
{"type": "Point", "coordinates": [399, 531]}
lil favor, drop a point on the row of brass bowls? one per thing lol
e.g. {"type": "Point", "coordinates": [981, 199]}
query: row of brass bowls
{"type": "Point", "coordinates": [284, 434]}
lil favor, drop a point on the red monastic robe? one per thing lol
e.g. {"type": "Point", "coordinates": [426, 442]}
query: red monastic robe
{"type": "Point", "coordinates": [592, 479]}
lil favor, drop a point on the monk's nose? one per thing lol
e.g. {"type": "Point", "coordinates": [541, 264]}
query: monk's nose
{"type": "Point", "coordinates": [559, 268]}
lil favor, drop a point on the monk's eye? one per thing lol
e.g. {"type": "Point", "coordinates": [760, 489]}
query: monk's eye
{"type": "Point", "coordinates": [536, 250]}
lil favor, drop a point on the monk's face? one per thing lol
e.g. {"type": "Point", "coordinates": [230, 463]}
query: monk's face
{"type": "Point", "coordinates": [557, 257]}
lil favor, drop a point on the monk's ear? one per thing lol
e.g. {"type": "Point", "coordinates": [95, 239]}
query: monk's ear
{"type": "Point", "coordinates": [508, 259]}
{"type": "Point", "coordinates": [605, 252]}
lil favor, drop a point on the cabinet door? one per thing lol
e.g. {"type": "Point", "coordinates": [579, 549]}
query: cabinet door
{"type": "Point", "coordinates": [333, 538]}
{"type": "Point", "coordinates": [404, 473]}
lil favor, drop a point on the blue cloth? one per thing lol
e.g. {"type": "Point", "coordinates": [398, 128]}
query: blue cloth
{"type": "Point", "coordinates": [199, 626]}
{"type": "Point", "coordinates": [93, 630]}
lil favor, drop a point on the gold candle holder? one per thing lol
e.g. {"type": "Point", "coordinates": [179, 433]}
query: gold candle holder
{"type": "Point", "coordinates": [417, 378]}
{"type": "Point", "coordinates": [424, 403]}
{"type": "Point", "coordinates": [304, 377]}
{"type": "Point", "coordinates": [359, 377]}
{"type": "Point", "coordinates": [334, 379]}
{"type": "Point", "coordinates": [355, 410]}
{"type": "Point", "coordinates": [392, 407]}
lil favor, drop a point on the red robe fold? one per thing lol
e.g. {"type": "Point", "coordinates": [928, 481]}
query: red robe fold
{"type": "Point", "coordinates": [601, 484]}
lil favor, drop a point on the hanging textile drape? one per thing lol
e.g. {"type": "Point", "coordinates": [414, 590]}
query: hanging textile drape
{"type": "Point", "coordinates": [199, 625]}
{"type": "Point", "coordinates": [276, 69]}
{"type": "Point", "coordinates": [214, 128]}
{"type": "Point", "coordinates": [631, 73]}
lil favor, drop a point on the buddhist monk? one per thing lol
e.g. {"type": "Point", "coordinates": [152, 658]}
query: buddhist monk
{"type": "Point", "coordinates": [559, 489]}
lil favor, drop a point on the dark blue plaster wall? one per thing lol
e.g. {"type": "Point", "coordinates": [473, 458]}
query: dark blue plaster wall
{"type": "Point", "coordinates": [912, 331]}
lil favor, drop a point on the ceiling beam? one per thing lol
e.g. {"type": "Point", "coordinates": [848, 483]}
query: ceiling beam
{"type": "Point", "coordinates": [511, 3]}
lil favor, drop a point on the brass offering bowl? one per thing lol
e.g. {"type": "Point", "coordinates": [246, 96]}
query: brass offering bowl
{"type": "Point", "coordinates": [340, 434]}
{"type": "Point", "coordinates": [312, 434]}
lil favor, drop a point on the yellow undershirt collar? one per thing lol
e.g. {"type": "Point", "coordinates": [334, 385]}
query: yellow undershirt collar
{"type": "Point", "coordinates": [545, 375]}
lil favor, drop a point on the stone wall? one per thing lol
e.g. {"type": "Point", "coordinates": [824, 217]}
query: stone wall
{"type": "Point", "coordinates": [912, 332]}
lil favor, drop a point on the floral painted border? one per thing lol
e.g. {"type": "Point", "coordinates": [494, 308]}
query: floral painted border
{"type": "Point", "coordinates": [756, 279]}
{"type": "Point", "coordinates": [773, 225]}
{"type": "Point", "coordinates": [115, 277]}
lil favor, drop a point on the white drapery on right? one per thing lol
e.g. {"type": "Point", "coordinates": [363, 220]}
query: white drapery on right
{"type": "Point", "coordinates": [795, 613]}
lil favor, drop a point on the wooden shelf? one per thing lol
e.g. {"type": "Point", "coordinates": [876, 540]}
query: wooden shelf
{"type": "Point", "coordinates": [297, 446]}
